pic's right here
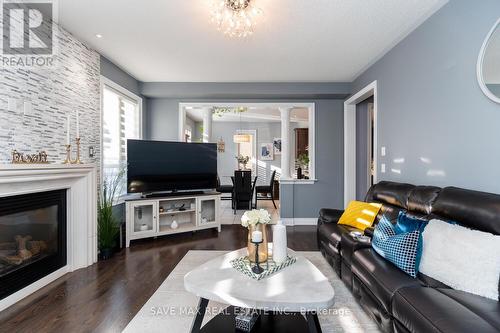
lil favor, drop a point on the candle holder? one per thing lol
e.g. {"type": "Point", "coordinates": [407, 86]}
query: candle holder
{"type": "Point", "coordinates": [262, 248]}
{"type": "Point", "coordinates": [77, 161]}
{"type": "Point", "coordinates": [68, 159]}
{"type": "Point", "coordinates": [257, 269]}
{"type": "Point", "coordinates": [68, 155]}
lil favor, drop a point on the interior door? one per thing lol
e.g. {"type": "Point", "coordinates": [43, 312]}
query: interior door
{"type": "Point", "coordinates": [301, 141]}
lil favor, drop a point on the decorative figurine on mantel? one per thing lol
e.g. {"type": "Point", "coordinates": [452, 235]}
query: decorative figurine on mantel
{"type": "Point", "coordinates": [69, 160]}
{"type": "Point", "coordinates": [256, 221]}
{"type": "Point", "coordinates": [38, 158]}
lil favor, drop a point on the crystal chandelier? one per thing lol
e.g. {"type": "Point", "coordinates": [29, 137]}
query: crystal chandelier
{"type": "Point", "coordinates": [235, 18]}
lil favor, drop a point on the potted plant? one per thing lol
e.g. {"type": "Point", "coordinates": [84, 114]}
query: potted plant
{"type": "Point", "coordinates": [256, 220]}
{"type": "Point", "coordinates": [107, 224]}
{"type": "Point", "coordinates": [303, 163]}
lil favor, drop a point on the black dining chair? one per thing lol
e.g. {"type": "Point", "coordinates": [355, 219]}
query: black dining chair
{"type": "Point", "coordinates": [266, 192]}
{"type": "Point", "coordinates": [224, 189]}
{"type": "Point", "coordinates": [243, 189]}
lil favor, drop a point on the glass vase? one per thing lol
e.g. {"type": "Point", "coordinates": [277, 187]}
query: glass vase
{"type": "Point", "coordinates": [262, 247]}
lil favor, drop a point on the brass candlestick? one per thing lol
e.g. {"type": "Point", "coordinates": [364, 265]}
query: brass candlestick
{"type": "Point", "coordinates": [68, 155]}
{"type": "Point", "coordinates": [77, 161]}
{"type": "Point", "coordinates": [68, 159]}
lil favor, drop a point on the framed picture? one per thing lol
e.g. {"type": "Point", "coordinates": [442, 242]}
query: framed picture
{"type": "Point", "coordinates": [266, 152]}
{"type": "Point", "coordinates": [277, 146]}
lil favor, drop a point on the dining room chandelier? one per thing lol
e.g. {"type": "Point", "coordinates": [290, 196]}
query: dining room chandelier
{"type": "Point", "coordinates": [235, 18]}
{"type": "Point", "coordinates": [241, 137]}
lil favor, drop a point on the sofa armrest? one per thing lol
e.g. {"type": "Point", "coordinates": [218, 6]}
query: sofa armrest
{"type": "Point", "coordinates": [327, 215]}
{"type": "Point", "coordinates": [369, 231]}
{"type": "Point", "coordinates": [349, 246]}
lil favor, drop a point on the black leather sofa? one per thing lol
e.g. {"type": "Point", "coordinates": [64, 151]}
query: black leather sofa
{"type": "Point", "coordinates": [398, 302]}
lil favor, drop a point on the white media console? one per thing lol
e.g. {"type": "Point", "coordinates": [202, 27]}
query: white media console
{"type": "Point", "coordinates": [152, 217]}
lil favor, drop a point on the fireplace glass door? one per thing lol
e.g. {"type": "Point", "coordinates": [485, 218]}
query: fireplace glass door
{"type": "Point", "coordinates": [32, 238]}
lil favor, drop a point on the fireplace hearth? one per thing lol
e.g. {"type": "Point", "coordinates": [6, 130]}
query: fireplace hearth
{"type": "Point", "coordinates": [32, 238]}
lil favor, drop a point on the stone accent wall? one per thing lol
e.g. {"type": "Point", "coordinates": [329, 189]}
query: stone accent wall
{"type": "Point", "coordinates": [72, 84]}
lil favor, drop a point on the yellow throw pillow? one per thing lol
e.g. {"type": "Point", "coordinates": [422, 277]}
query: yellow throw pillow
{"type": "Point", "coordinates": [360, 214]}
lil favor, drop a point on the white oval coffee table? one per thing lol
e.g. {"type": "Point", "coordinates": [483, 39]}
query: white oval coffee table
{"type": "Point", "coordinates": [299, 288]}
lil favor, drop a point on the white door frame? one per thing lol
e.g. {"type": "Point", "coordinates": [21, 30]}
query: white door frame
{"type": "Point", "coordinates": [350, 139]}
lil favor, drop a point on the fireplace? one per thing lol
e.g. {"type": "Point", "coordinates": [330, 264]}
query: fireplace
{"type": "Point", "coordinates": [32, 238]}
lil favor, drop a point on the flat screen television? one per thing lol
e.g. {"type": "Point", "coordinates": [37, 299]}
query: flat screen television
{"type": "Point", "coordinates": [158, 166]}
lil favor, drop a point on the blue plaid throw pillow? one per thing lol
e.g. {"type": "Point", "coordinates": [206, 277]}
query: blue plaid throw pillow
{"type": "Point", "coordinates": [402, 249]}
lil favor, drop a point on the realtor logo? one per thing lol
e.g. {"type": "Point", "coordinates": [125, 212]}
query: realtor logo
{"type": "Point", "coordinates": [27, 28]}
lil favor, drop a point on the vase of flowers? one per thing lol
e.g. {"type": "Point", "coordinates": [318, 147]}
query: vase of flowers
{"type": "Point", "coordinates": [256, 220]}
{"type": "Point", "coordinates": [242, 161]}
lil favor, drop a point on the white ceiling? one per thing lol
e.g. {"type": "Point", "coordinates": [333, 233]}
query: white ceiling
{"type": "Point", "coordinates": [295, 40]}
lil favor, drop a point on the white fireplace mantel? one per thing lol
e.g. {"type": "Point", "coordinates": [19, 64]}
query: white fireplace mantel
{"type": "Point", "coordinates": [81, 183]}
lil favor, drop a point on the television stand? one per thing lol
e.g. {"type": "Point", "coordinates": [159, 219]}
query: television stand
{"type": "Point", "coordinates": [170, 194]}
{"type": "Point", "coordinates": [171, 213]}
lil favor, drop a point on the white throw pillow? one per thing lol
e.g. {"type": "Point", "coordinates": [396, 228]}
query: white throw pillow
{"type": "Point", "coordinates": [464, 259]}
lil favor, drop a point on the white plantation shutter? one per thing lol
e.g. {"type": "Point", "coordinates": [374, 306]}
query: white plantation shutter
{"type": "Point", "coordinates": [121, 117]}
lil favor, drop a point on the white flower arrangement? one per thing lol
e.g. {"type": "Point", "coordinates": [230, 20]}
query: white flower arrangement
{"type": "Point", "coordinates": [254, 217]}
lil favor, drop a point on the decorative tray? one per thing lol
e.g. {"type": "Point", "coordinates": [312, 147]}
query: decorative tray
{"type": "Point", "coordinates": [244, 265]}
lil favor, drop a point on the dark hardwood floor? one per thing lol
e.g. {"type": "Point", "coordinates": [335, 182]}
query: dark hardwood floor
{"type": "Point", "coordinates": [105, 297]}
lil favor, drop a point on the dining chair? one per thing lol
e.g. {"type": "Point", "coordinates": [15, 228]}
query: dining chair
{"type": "Point", "coordinates": [224, 189]}
{"type": "Point", "coordinates": [266, 192]}
{"type": "Point", "coordinates": [243, 189]}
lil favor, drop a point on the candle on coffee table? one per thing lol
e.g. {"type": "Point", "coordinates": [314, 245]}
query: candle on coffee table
{"type": "Point", "coordinates": [257, 236]}
{"type": "Point", "coordinates": [279, 243]}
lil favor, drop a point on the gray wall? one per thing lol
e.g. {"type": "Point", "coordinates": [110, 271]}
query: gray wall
{"type": "Point", "coordinates": [162, 119]}
{"type": "Point", "coordinates": [300, 201]}
{"type": "Point", "coordinates": [431, 110]}
{"type": "Point", "coordinates": [119, 76]}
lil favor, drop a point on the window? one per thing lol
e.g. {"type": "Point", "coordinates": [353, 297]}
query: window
{"type": "Point", "coordinates": [121, 120]}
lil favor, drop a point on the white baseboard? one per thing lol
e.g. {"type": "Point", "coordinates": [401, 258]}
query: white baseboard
{"type": "Point", "coordinates": [300, 220]}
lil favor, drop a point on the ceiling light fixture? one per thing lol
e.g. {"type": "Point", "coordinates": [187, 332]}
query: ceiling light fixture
{"type": "Point", "coordinates": [241, 137]}
{"type": "Point", "coordinates": [98, 35]}
{"type": "Point", "coordinates": [235, 18]}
